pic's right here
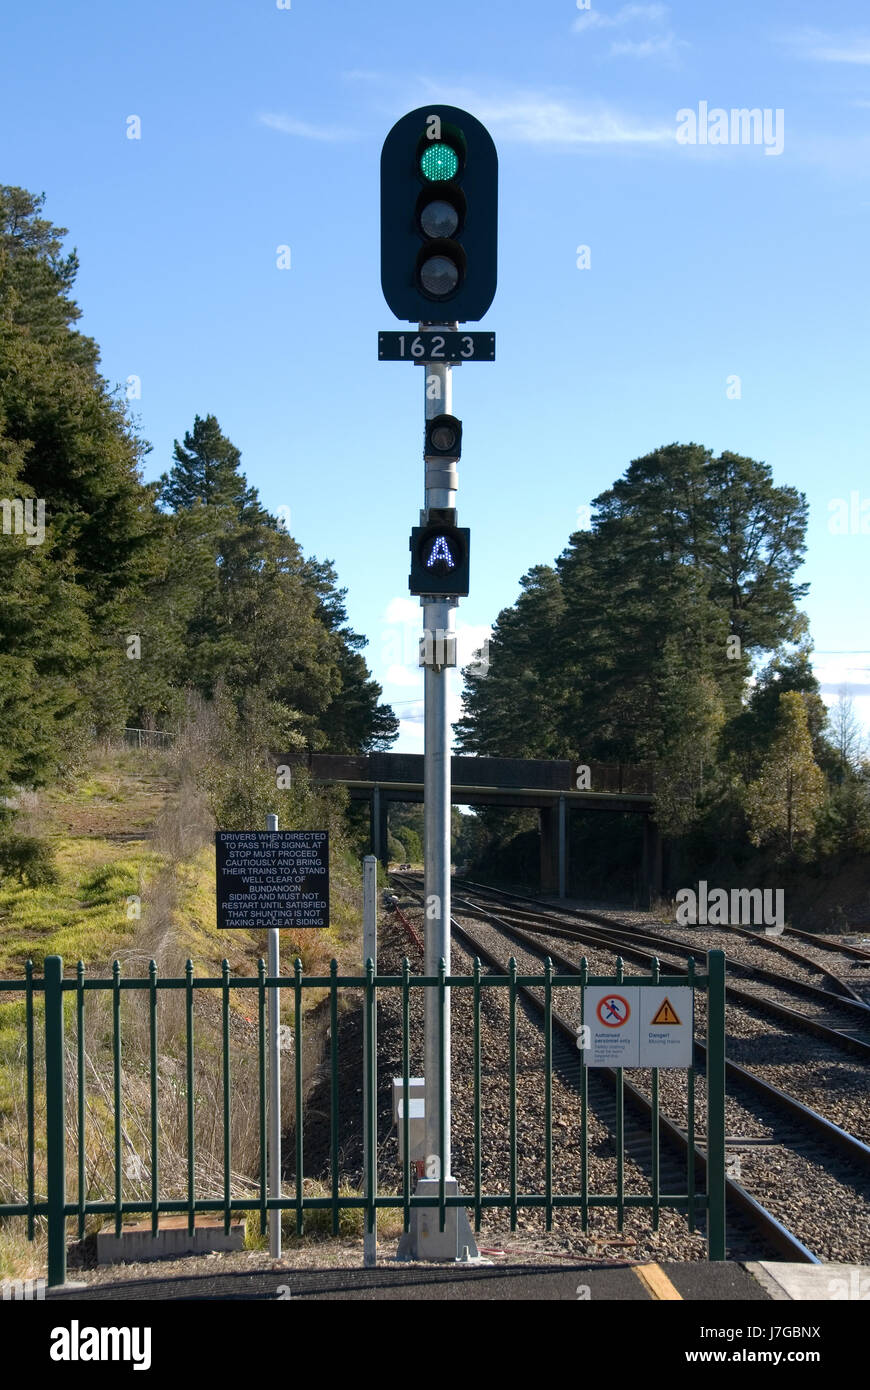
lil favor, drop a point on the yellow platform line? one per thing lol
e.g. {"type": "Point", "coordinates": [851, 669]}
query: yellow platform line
{"type": "Point", "coordinates": [656, 1282]}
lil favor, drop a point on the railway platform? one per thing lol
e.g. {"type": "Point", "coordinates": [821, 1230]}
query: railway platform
{"type": "Point", "coordinates": [686, 1281]}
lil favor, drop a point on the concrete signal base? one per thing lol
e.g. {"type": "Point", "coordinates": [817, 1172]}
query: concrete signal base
{"type": "Point", "coordinates": [424, 1240]}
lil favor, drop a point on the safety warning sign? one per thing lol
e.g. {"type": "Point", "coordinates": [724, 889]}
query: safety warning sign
{"type": "Point", "coordinates": [612, 1023]}
{"type": "Point", "coordinates": [665, 1013]}
{"type": "Point", "coordinates": [666, 1030]}
{"type": "Point", "coordinates": [272, 878]}
{"type": "Point", "coordinates": [613, 1010]}
{"type": "Point", "coordinates": [638, 1026]}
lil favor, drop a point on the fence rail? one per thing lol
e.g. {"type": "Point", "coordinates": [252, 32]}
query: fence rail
{"type": "Point", "coordinates": [148, 738]}
{"type": "Point", "coordinates": [52, 987]}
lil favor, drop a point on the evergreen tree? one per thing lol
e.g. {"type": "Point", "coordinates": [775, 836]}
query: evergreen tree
{"type": "Point", "coordinates": [785, 799]}
{"type": "Point", "coordinates": [44, 646]}
{"type": "Point", "coordinates": [354, 721]}
{"type": "Point", "coordinates": [512, 710]}
{"type": "Point", "coordinates": [207, 471]}
{"type": "Point", "coordinates": [747, 737]}
{"type": "Point", "coordinates": [638, 646]}
{"type": "Point", "coordinates": [685, 758]}
{"type": "Point", "coordinates": [686, 573]}
{"type": "Point", "coordinates": [66, 442]}
{"type": "Point", "coordinates": [246, 609]}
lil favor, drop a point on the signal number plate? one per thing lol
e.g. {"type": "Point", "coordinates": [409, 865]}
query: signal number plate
{"type": "Point", "coordinates": [436, 347]}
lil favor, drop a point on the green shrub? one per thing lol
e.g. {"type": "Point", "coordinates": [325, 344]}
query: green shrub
{"type": "Point", "coordinates": [318, 1222]}
{"type": "Point", "coordinates": [28, 859]}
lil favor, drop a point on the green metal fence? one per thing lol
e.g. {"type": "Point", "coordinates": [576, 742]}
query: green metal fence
{"type": "Point", "coordinates": [56, 1207]}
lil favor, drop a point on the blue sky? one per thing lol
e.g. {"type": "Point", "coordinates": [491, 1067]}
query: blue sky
{"type": "Point", "coordinates": [261, 127]}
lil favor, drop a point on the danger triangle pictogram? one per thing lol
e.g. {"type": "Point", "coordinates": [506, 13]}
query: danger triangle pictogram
{"type": "Point", "coordinates": [665, 1013]}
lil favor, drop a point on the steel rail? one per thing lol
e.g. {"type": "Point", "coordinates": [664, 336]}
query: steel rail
{"type": "Point", "coordinates": [856, 1149]}
{"type": "Point", "coordinates": [778, 1236]}
{"type": "Point", "coordinates": [772, 943]}
{"type": "Point", "coordinates": [858, 1046]}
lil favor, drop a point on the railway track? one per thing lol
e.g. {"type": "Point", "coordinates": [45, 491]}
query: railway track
{"type": "Point", "coordinates": [839, 1020]}
{"type": "Point", "coordinates": [837, 1028]}
{"type": "Point", "coordinates": [762, 1118]}
{"type": "Point", "coordinates": [852, 956]}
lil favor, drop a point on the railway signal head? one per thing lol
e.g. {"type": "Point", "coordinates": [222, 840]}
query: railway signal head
{"type": "Point", "coordinates": [443, 438]}
{"type": "Point", "coordinates": [440, 558]}
{"type": "Point", "coordinates": [439, 216]}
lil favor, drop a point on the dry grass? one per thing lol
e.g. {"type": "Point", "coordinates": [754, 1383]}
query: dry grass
{"type": "Point", "coordinates": [168, 806]}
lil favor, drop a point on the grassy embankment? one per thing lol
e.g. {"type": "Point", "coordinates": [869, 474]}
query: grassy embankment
{"type": "Point", "coordinates": [135, 881]}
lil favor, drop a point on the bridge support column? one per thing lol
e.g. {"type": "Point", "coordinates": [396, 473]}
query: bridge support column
{"type": "Point", "coordinates": [651, 881]}
{"type": "Point", "coordinates": [553, 821]}
{"type": "Point", "coordinates": [379, 811]}
{"type": "Point", "coordinates": [563, 847]}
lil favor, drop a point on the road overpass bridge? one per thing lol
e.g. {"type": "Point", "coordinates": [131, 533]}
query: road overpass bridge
{"type": "Point", "coordinates": [555, 787]}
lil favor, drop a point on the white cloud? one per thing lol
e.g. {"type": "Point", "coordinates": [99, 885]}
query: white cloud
{"type": "Point", "coordinates": [523, 117]}
{"type": "Point", "coordinates": [845, 672]}
{"type": "Point", "coordinates": [403, 610]}
{"type": "Point", "coordinates": [470, 638]}
{"type": "Point", "coordinates": [820, 47]}
{"type": "Point", "coordinates": [665, 47]}
{"type": "Point", "coordinates": [860, 55]}
{"type": "Point", "coordinates": [287, 125]}
{"type": "Point", "coordinates": [656, 46]}
{"type": "Point", "coordinates": [402, 675]}
{"type": "Point", "coordinates": [539, 120]}
{"type": "Point", "coordinates": [594, 19]}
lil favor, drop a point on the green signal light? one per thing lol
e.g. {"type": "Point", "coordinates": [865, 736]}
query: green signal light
{"type": "Point", "coordinates": [439, 162]}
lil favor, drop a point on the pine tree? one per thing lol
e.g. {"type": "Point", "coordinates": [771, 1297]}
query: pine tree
{"type": "Point", "coordinates": [687, 553]}
{"type": "Point", "coordinates": [207, 470]}
{"type": "Point", "coordinates": [66, 441]}
{"type": "Point", "coordinates": [785, 799]}
{"type": "Point", "coordinates": [354, 721]}
{"type": "Point", "coordinates": [511, 711]}
{"type": "Point", "coordinates": [245, 609]}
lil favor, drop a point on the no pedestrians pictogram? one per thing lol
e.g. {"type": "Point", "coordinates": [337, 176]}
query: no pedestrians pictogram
{"type": "Point", "coordinates": [613, 1010]}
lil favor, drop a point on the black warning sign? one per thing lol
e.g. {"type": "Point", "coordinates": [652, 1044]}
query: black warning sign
{"type": "Point", "coordinates": [272, 878]}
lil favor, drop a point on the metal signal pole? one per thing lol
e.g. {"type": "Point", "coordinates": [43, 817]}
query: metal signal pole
{"type": "Point", "coordinates": [274, 1163]}
{"type": "Point", "coordinates": [439, 215]}
{"type": "Point", "coordinates": [439, 653]}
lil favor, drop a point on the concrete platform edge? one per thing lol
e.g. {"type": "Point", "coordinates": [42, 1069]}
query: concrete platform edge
{"type": "Point", "coordinates": [767, 1282]}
